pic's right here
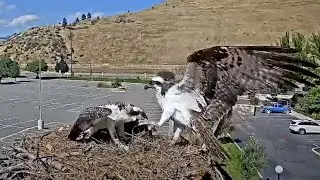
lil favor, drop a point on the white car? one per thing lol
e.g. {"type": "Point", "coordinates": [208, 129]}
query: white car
{"type": "Point", "coordinates": [304, 126]}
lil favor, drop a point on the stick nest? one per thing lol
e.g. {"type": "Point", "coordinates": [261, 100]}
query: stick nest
{"type": "Point", "coordinates": [53, 156]}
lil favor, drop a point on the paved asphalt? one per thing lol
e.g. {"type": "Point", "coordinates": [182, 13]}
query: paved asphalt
{"type": "Point", "coordinates": [62, 101]}
{"type": "Point", "coordinates": [292, 151]}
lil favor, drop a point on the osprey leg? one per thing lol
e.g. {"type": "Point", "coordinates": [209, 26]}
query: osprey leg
{"type": "Point", "coordinates": [89, 132]}
{"type": "Point", "coordinates": [176, 136]}
{"type": "Point", "coordinates": [120, 129]}
{"type": "Point", "coordinates": [165, 116]}
{"type": "Point", "coordinates": [114, 136]}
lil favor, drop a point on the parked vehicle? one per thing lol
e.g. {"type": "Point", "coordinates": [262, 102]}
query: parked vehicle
{"type": "Point", "coordinates": [284, 102]}
{"type": "Point", "coordinates": [275, 108]}
{"type": "Point", "coordinates": [304, 126]}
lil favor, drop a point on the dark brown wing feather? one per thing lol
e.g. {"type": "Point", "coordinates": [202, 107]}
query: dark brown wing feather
{"type": "Point", "coordinates": [223, 73]}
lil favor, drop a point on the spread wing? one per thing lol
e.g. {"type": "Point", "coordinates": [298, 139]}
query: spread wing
{"type": "Point", "coordinates": [88, 117]}
{"type": "Point", "coordinates": [220, 74]}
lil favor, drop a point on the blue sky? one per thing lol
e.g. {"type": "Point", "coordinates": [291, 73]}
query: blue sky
{"type": "Point", "coordinates": [19, 15]}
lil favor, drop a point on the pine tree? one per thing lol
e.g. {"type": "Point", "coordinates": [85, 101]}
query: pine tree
{"type": "Point", "coordinates": [83, 17]}
{"type": "Point", "coordinates": [89, 16]}
{"type": "Point", "coordinates": [64, 22]}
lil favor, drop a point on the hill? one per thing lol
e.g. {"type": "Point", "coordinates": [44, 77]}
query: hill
{"type": "Point", "coordinates": [167, 33]}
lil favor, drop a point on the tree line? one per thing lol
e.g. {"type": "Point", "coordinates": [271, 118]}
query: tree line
{"type": "Point", "coordinates": [83, 17]}
{"type": "Point", "coordinates": [11, 68]}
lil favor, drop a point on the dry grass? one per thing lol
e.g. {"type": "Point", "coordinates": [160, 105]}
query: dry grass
{"type": "Point", "coordinates": [167, 33]}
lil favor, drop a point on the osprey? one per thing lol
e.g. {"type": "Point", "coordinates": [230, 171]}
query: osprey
{"type": "Point", "coordinates": [109, 116]}
{"type": "Point", "coordinates": [213, 79]}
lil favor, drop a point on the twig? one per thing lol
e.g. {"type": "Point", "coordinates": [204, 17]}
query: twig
{"type": "Point", "coordinates": [17, 167]}
{"type": "Point", "coordinates": [87, 149]}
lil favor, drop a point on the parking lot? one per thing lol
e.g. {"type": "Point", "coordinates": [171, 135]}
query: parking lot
{"type": "Point", "coordinates": [292, 151]}
{"type": "Point", "coordinates": [62, 100]}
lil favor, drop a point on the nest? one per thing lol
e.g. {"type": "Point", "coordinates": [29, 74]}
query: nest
{"type": "Point", "coordinates": [52, 156]}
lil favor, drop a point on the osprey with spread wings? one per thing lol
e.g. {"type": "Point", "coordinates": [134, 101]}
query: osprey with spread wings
{"type": "Point", "coordinates": [214, 78]}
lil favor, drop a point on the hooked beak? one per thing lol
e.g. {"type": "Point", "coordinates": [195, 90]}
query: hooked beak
{"type": "Point", "coordinates": [149, 85]}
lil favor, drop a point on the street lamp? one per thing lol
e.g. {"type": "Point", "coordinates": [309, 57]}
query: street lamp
{"type": "Point", "coordinates": [40, 121]}
{"type": "Point", "coordinates": [279, 170]}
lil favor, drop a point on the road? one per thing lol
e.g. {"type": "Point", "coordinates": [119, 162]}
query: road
{"type": "Point", "coordinates": [62, 102]}
{"type": "Point", "coordinates": [292, 151]}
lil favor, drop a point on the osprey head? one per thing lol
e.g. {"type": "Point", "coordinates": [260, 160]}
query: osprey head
{"type": "Point", "coordinates": [81, 125]}
{"type": "Point", "coordinates": [138, 113]}
{"type": "Point", "coordinates": [155, 83]}
{"type": "Point", "coordinates": [163, 77]}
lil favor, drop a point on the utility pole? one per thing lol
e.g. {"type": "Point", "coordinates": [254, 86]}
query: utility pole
{"type": "Point", "coordinates": [91, 71]}
{"type": "Point", "coordinates": [71, 61]}
{"type": "Point", "coordinates": [40, 121]}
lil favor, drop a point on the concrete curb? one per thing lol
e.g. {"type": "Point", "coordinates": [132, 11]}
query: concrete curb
{"type": "Point", "coordinates": [300, 116]}
{"type": "Point", "coordinates": [242, 151]}
{"type": "Point", "coordinates": [315, 151]}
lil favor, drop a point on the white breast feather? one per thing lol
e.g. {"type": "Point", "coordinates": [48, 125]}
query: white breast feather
{"type": "Point", "coordinates": [185, 100]}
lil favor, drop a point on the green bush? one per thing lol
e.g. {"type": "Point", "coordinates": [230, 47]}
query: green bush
{"type": "Point", "coordinates": [9, 68]}
{"type": "Point", "coordinates": [310, 103]}
{"type": "Point", "coordinates": [34, 67]}
{"type": "Point", "coordinates": [116, 83]}
{"type": "Point", "coordinates": [244, 165]}
{"type": "Point", "coordinates": [308, 50]}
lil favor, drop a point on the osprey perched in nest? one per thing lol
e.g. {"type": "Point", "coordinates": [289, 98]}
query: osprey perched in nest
{"type": "Point", "coordinates": [214, 78]}
{"type": "Point", "coordinates": [109, 116]}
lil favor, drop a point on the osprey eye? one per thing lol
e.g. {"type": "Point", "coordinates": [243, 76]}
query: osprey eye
{"type": "Point", "coordinates": [157, 82]}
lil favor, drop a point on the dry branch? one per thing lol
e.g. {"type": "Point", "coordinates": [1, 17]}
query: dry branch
{"type": "Point", "coordinates": [53, 156]}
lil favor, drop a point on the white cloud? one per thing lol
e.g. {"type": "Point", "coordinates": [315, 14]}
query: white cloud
{"type": "Point", "coordinates": [23, 20]}
{"type": "Point", "coordinates": [74, 16]}
{"type": "Point", "coordinates": [96, 14]}
{"type": "Point", "coordinates": [5, 6]}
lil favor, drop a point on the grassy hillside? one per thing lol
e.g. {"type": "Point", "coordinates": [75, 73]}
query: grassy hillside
{"type": "Point", "coordinates": [167, 33]}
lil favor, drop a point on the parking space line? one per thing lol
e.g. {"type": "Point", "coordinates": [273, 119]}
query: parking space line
{"type": "Point", "coordinates": [25, 100]}
{"type": "Point", "coordinates": [14, 125]}
{"type": "Point", "coordinates": [314, 140]}
{"type": "Point", "coordinates": [8, 119]}
{"type": "Point", "coordinates": [24, 130]}
{"type": "Point", "coordinates": [74, 109]}
{"type": "Point", "coordinates": [98, 97]}
{"type": "Point", "coordinates": [45, 105]}
{"type": "Point", "coordinates": [59, 86]}
{"type": "Point", "coordinates": [63, 106]}
{"type": "Point", "coordinates": [8, 126]}
{"type": "Point", "coordinates": [10, 100]}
